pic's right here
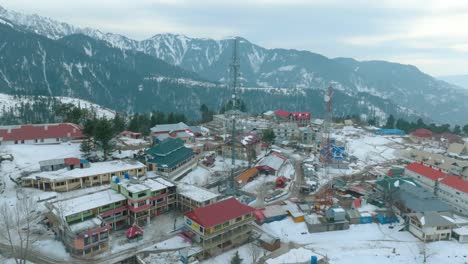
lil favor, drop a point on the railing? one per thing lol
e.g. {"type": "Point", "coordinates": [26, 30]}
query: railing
{"type": "Point", "coordinates": [245, 221]}
{"type": "Point", "coordinates": [228, 236]}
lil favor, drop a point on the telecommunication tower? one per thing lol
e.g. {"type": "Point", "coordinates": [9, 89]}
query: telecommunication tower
{"type": "Point", "coordinates": [233, 113]}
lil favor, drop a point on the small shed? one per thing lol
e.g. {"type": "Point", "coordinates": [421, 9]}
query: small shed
{"type": "Point", "coordinates": [353, 216]}
{"type": "Point", "coordinates": [366, 218]}
{"type": "Point", "coordinates": [461, 234]}
{"type": "Point", "coordinates": [297, 216]}
{"type": "Point", "coordinates": [335, 214]}
{"type": "Point", "coordinates": [269, 242]}
{"type": "Point", "coordinates": [274, 213]}
{"type": "Point", "coordinates": [386, 217]}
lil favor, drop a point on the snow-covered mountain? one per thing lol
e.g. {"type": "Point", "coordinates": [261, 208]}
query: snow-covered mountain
{"type": "Point", "coordinates": [405, 86]}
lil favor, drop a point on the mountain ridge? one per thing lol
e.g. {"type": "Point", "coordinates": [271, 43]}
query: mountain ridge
{"type": "Point", "coordinates": [399, 84]}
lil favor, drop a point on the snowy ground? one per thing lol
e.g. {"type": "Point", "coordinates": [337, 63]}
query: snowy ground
{"type": "Point", "coordinates": [368, 243]}
{"type": "Point", "coordinates": [244, 253]}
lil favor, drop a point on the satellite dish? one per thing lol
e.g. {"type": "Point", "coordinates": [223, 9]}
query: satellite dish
{"type": "Point", "coordinates": [327, 98]}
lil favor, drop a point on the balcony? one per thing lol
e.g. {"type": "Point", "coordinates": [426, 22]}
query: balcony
{"type": "Point", "coordinates": [231, 235]}
{"type": "Point", "coordinates": [240, 223]}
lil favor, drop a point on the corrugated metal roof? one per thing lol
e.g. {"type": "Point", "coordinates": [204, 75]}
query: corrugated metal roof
{"type": "Point", "coordinates": [219, 213]}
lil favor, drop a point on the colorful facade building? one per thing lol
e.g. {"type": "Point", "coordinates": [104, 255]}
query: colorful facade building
{"type": "Point", "coordinates": [146, 199]}
{"type": "Point", "coordinates": [84, 223]}
{"type": "Point", "coordinates": [77, 221]}
{"type": "Point", "coordinates": [190, 197]}
{"type": "Point", "coordinates": [220, 226]}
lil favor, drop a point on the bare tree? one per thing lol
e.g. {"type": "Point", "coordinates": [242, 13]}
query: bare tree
{"type": "Point", "coordinates": [16, 222]}
{"type": "Point", "coordinates": [255, 252]}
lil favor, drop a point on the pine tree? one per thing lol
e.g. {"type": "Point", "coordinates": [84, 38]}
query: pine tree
{"type": "Point", "coordinates": [104, 132]}
{"type": "Point", "coordinates": [236, 259]}
{"type": "Point", "coordinates": [86, 148]}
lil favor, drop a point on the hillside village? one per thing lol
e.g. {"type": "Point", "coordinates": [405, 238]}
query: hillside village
{"type": "Point", "coordinates": [283, 187]}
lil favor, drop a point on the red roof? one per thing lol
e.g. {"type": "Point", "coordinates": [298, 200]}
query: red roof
{"type": "Point", "coordinates": [451, 138]}
{"type": "Point", "coordinates": [426, 171]}
{"type": "Point", "coordinates": [422, 133]}
{"type": "Point", "coordinates": [43, 131]}
{"type": "Point", "coordinates": [301, 115]}
{"type": "Point", "coordinates": [128, 132]}
{"type": "Point", "coordinates": [282, 113]}
{"type": "Point", "coordinates": [133, 231]}
{"type": "Point", "coordinates": [456, 183]}
{"type": "Point", "coordinates": [220, 212]}
{"type": "Point", "coordinates": [71, 161]}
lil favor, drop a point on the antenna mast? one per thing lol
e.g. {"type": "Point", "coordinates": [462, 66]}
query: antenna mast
{"type": "Point", "coordinates": [234, 71]}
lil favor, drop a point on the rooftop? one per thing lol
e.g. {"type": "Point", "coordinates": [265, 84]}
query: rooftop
{"type": "Point", "coordinates": [169, 127]}
{"type": "Point", "coordinates": [40, 131]}
{"type": "Point", "coordinates": [169, 153]}
{"type": "Point", "coordinates": [456, 183]}
{"type": "Point", "coordinates": [94, 169]}
{"type": "Point", "coordinates": [195, 193]}
{"type": "Point", "coordinates": [86, 202]}
{"type": "Point", "coordinates": [274, 161]}
{"type": "Point", "coordinates": [426, 171]}
{"type": "Point", "coordinates": [220, 212]}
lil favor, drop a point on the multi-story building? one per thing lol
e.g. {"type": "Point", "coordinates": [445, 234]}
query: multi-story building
{"type": "Point", "coordinates": [451, 189]}
{"type": "Point", "coordinates": [431, 226]}
{"type": "Point", "coordinates": [190, 197]}
{"type": "Point", "coordinates": [98, 173]}
{"type": "Point", "coordinates": [300, 118]}
{"type": "Point", "coordinates": [83, 223]}
{"type": "Point", "coordinates": [170, 158]}
{"type": "Point", "coordinates": [146, 199]}
{"type": "Point", "coordinates": [78, 223]}
{"type": "Point", "coordinates": [220, 226]}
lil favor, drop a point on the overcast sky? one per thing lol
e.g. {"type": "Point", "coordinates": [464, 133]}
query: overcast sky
{"type": "Point", "coordinates": [430, 34]}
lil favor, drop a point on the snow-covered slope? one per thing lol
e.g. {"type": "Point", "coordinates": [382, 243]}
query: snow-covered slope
{"type": "Point", "coordinates": [9, 101]}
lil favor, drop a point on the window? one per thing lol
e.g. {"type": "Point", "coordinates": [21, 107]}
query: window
{"type": "Point", "coordinates": [95, 177]}
{"type": "Point", "coordinates": [57, 139]}
{"type": "Point", "coordinates": [226, 224]}
{"type": "Point", "coordinates": [22, 141]}
{"type": "Point", "coordinates": [218, 227]}
{"type": "Point", "coordinates": [141, 194]}
{"type": "Point", "coordinates": [201, 229]}
{"type": "Point", "coordinates": [141, 203]}
{"type": "Point", "coordinates": [104, 235]}
{"type": "Point", "coordinates": [86, 240]}
{"type": "Point", "coordinates": [238, 218]}
{"type": "Point", "coordinates": [95, 238]}
{"type": "Point", "coordinates": [42, 140]}
{"type": "Point", "coordinates": [35, 140]}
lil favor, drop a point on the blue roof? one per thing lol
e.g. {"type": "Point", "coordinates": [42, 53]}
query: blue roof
{"type": "Point", "coordinates": [334, 152]}
{"type": "Point", "coordinates": [390, 131]}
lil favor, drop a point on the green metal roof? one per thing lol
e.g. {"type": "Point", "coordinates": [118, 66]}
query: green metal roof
{"type": "Point", "coordinates": [166, 146]}
{"type": "Point", "coordinates": [394, 182]}
{"type": "Point", "coordinates": [169, 153]}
